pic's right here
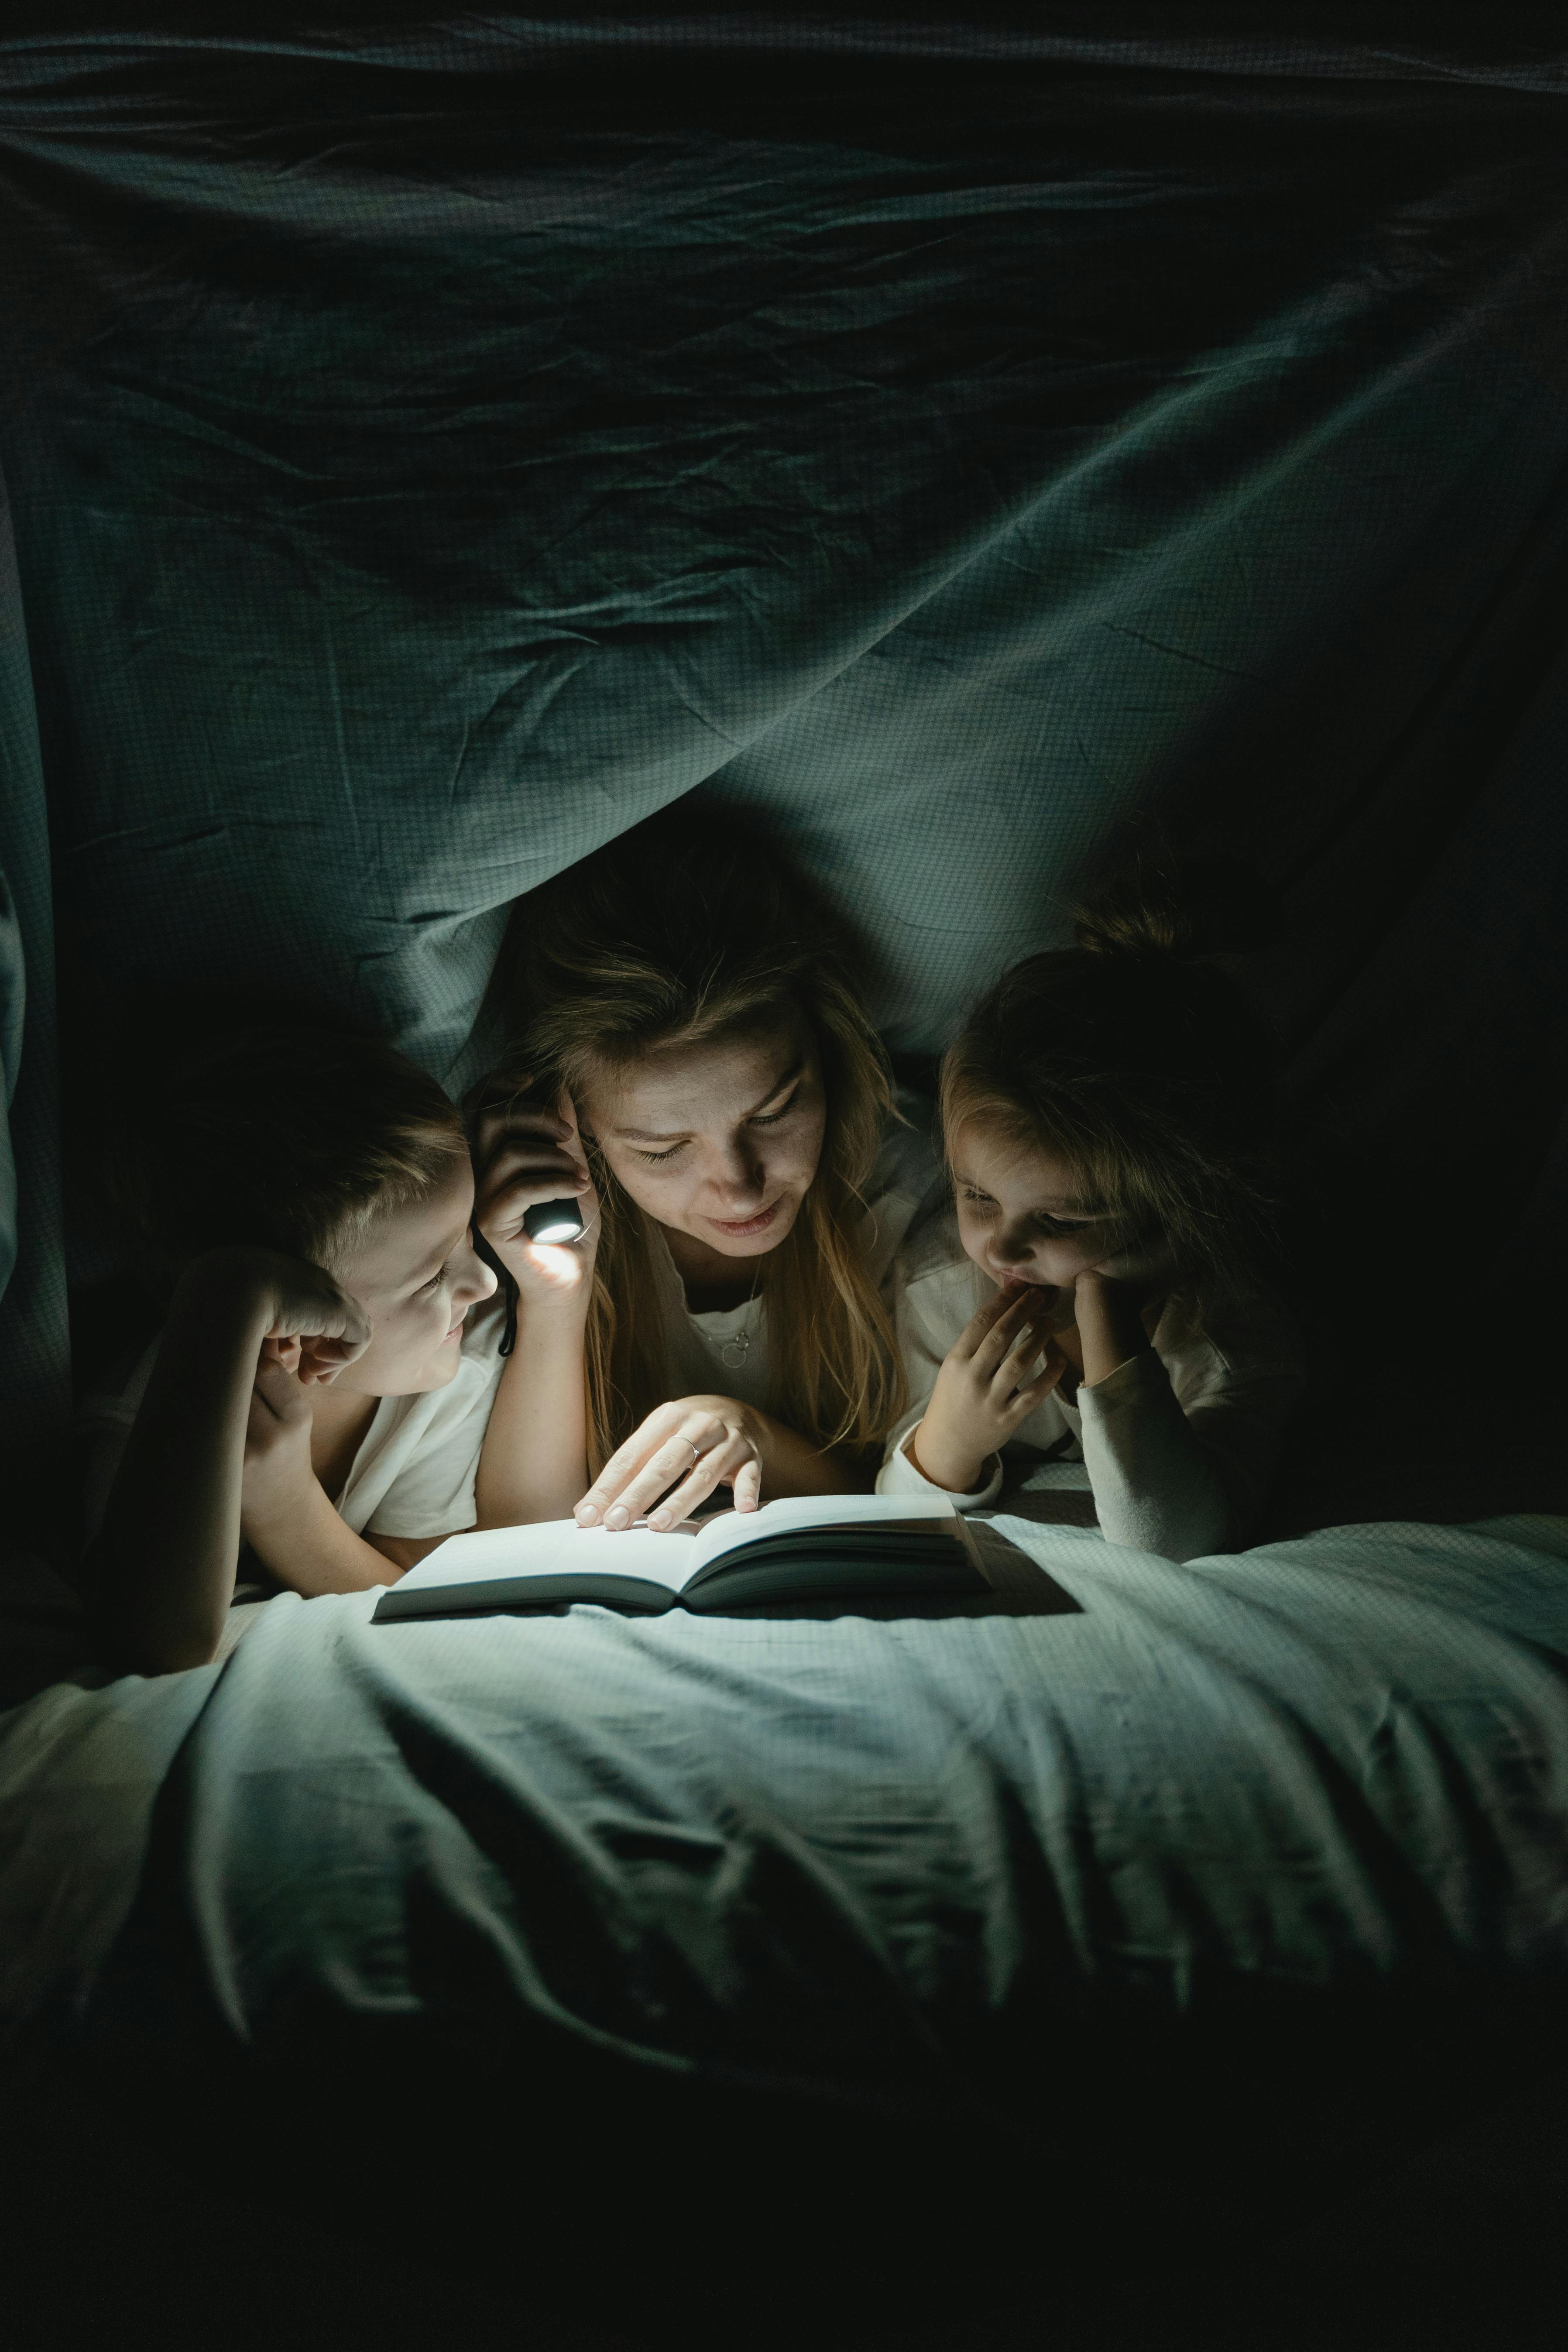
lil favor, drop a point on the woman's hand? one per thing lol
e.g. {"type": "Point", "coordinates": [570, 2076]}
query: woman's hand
{"type": "Point", "coordinates": [984, 1393]}
{"type": "Point", "coordinates": [524, 1157]}
{"type": "Point", "coordinates": [682, 1452]}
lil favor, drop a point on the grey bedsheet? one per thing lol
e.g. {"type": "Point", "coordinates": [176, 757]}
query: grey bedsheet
{"type": "Point", "coordinates": [860, 1858]}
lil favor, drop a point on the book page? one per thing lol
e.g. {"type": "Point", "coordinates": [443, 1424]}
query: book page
{"type": "Point", "coordinates": [555, 1548]}
{"type": "Point", "coordinates": [800, 1514]}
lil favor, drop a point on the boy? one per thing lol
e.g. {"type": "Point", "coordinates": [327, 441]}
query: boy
{"type": "Point", "coordinates": [301, 1201]}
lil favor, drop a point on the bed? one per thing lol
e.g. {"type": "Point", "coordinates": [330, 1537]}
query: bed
{"type": "Point", "coordinates": [1221, 1891]}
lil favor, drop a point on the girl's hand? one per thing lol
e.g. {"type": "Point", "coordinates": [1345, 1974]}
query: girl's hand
{"type": "Point", "coordinates": [984, 1393]}
{"type": "Point", "coordinates": [1111, 1324]}
{"type": "Point", "coordinates": [682, 1452]}
{"type": "Point", "coordinates": [524, 1157]}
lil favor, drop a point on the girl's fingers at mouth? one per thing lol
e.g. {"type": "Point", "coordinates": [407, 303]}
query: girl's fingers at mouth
{"type": "Point", "coordinates": [998, 1343]}
{"type": "Point", "coordinates": [1039, 1389]}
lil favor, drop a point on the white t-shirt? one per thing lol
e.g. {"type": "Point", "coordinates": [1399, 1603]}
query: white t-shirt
{"type": "Point", "coordinates": [1178, 1445]}
{"type": "Point", "coordinates": [414, 1472]}
{"type": "Point", "coordinates": [724, 1352]}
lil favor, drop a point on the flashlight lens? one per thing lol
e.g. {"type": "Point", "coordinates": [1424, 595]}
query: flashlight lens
{"type": "Point", "coordinates": [552, 1221]}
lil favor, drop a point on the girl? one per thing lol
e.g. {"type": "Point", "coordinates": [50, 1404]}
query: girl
{"type": "Point", "coordinates": [692, 1061]}
{"type": "Point", "coordinates": [1103, 1294]}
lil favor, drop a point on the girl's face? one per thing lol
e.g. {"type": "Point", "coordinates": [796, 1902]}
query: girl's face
{"type": "Point", "coordinates": [1020, 1221]}
{"type": "Point", "coordinates": [718, 1141]}
{"type": "Point", "coordinates": [415, 1275]}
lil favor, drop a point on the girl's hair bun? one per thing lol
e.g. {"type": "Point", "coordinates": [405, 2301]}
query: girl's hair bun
{"type": "Point", "coordinates": [1171, 907]}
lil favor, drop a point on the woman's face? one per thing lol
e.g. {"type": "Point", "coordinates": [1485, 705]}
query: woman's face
{"type": "Point", "coordinates": [1020, 1221]}
{"type": "Point", "coordinates": [719, 1141]}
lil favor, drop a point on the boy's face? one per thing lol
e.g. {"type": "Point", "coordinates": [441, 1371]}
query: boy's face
{"type": "Point", "coordinates": [415, 1275]}
{"type": "Point", "coordinates": [1019, 1220]}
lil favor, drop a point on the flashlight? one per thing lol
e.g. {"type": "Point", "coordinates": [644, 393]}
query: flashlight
{"type": "Point", "coordinates": [552, 1221]}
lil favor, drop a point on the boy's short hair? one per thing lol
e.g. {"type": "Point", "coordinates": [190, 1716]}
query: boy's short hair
{"type": "Point", "coordinates": [288, 1136]}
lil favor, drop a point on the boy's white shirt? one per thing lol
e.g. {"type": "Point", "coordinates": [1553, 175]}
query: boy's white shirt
{"type": "Point", "coordinates": [1178, 1445]}
{"type": "Point", "coordinates": [414, 1472]}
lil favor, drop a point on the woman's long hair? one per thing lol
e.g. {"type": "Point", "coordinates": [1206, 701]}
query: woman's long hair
{"type": "Point", "coordinates": [683, 932]}
{"type": "Point", "coordinates": [1139, 1065]}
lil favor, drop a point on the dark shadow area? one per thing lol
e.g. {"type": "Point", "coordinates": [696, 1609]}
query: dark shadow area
{"type": "Point", "coordinates": [1361, 2174]}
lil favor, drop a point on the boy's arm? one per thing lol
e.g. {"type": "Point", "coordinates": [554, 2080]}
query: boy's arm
{"type": "Point", "coordinates": [407, 1551]}
{"type": "Point", "coordinates": [161, 1570]}
{"type": "Point", "coordinates": [160, 1573]}
{"type": "Point", "coordinates": [159, 1576]}
{"type": "Point", "coordinates": [308, 1547]}
{"type": "Point", "coordinates": [287, 1517]}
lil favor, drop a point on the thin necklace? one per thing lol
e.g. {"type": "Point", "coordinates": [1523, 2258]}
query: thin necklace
{"type": "Point", "coordinates": [738, 1346]}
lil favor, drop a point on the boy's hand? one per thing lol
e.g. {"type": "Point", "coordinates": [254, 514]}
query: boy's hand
{"type": "Point", "coordinates": [316, 1330]}
{"type": "Point", "coordinates": [276, 1478]}
{"type": "Point", "coordinates": [524, 1157]}
{"type": "Point", "coordinates": [308, 1324]}
{"type": "Point", "coordinates": [983, 1392]}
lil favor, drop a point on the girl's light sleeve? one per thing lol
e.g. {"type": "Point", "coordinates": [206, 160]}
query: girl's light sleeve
{"type": "Point", "coordinates": [1182, 1468]}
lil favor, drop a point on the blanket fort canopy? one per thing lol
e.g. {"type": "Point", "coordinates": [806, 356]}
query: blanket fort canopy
{"type": "Point", "coordinates": [430, 449]}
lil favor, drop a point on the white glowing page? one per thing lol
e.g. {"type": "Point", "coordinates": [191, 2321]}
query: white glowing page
{"type": "Point", "coordinates": [560, 1548]}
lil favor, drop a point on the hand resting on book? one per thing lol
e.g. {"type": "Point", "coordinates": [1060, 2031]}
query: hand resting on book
{"type": "Point", "coordinates": [685, 1450]}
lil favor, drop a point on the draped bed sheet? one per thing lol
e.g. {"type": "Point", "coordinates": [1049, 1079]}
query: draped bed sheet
{"type": "Point", "coordinates": [905, 1866]}
{"type": "Point", "coordinates": [431, 447]}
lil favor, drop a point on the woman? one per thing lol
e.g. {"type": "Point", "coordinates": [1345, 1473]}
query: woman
{"type": "Point", "coordinates": [691, 1059]}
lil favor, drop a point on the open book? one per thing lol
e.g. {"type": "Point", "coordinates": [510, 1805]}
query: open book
{"type": "Point", "coordinates": [813, 1547]}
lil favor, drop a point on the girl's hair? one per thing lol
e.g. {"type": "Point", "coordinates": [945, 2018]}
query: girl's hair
{"type": "Point", "coordinates": [1139, 1066]}
{"type": "Point", "coordinates": [681, 933]}
{"type": "Point", "coordinates": [291, 1137]}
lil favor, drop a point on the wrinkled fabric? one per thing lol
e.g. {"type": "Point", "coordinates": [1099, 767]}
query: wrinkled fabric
{"type": "Point", "coordinates": [430, 450]}
{"type": "Point", "coordinates": [887, 1858]}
